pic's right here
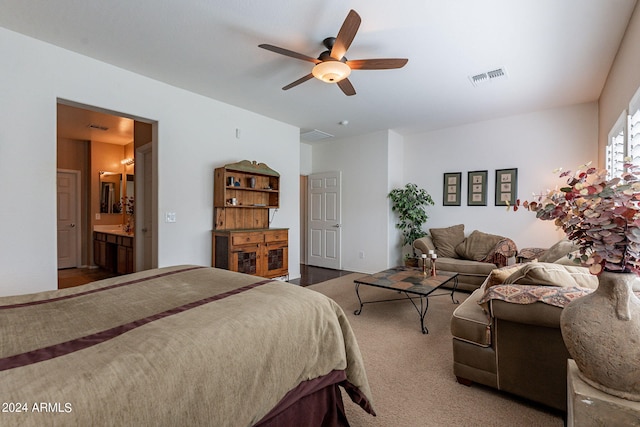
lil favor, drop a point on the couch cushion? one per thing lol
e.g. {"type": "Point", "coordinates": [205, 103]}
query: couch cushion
{"type": "Point", "coordinates": [477, 245]}
{"type": "Point", "coordinates": [469, 323]}
{"type": "Point", "coordinates": [446, 240]}
{"type": "Point", "coordinates": [551, 274]}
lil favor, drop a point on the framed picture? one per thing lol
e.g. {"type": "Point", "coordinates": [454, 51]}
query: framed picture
{"type": "Point", "coordinates": [477, 188]}
{"type": "Point", "coordinates": [451, 189]}
{"type": "Point", "coordinates": [506, 186]}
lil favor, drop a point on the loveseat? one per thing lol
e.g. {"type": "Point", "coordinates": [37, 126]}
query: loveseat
{"type": "Point", "coordinates": [473, 257]}
{"type": "Point", "coordinates": [506, 334]}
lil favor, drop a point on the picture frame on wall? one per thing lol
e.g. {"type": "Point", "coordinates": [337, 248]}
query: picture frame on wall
{"type": "Point", "coordinates": [506, 186]}
{"type": "Point", "coordinates": [451, 189]}
{"type": "Point", "coordinates": [477, 188]}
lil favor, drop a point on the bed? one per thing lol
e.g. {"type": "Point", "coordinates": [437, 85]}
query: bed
{"type": "Point", "coordinates": [182, 345]}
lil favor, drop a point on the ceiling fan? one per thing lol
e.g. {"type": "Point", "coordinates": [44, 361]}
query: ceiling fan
{"type": "Point", "coordinates": [332, 66]}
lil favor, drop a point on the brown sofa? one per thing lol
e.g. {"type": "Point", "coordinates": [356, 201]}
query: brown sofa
{"type": "Point", "coordinates": [507, 335]}
{"type": "Point", "coordinates": [473, 257]}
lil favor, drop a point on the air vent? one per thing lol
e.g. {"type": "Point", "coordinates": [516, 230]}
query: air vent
{"type": "Point", "coordinates": [488, 76]}
{"type": "Point", "coordinates": [98, 127]}
{"type": "Point", "coordinates": [314, 135]}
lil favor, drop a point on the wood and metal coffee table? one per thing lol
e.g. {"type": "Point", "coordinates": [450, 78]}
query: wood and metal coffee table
{"type": "Point", "coordinates": [411, 282]}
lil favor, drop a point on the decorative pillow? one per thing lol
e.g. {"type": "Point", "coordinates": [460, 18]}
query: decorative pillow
{"type": "Point", "coordinates": [551, 274]}
{"type": "Point", "coordinates": [477, 245]}
{"type": "Point", "coordinates": [499, 275]}
{"type": "Point", "coordinates": [446, 240]}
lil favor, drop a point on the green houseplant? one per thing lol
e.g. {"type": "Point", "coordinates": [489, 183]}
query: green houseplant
{"type": "Point", "coordinates": [410, 203]}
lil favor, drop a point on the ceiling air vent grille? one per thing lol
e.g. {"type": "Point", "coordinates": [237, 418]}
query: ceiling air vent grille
{"type": "Point", "coordinates": [314, 135]}
{"type": "Point", "coordinates": [488, 76]}
{"type": "Point", "coordinates": [98, 127]}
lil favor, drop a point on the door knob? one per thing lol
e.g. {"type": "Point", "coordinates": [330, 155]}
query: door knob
{"type": "Point", "coordinates": [72, 225]}
{"type": "Point", "coordinates": [337, 226]}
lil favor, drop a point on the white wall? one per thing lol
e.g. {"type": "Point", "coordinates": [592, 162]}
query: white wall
{"type": "Point", "coordinates": [395, 156]}
{"type": "Point", "coordinates": [306, 154]}
{"type": "Point", "coordinates": [363, 162]}
{"type": "Point", "coordinates": [535, 143]}
{"type": "Point", "coordinates": [195, 134]}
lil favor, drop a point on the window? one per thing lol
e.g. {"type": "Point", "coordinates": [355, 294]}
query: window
{"type": "Point", "coordinates": [623, 143]}
{"type": "Point", "coordinates": [633, 139]}
{"type": "Point", "coordinates": [616, 145]}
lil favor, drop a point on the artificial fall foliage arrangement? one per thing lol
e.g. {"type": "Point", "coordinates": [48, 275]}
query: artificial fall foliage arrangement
{"type": "Point", "coordinates": [600, 215]}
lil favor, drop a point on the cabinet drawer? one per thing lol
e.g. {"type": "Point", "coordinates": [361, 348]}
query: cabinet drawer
{"type": "Point", "coordinates": [244, 238]}
{"type": "Point", "coordinates": [111, 238]}
{"type": "Point", "coordinates": [125, 241]}
{"type": "Point", "coordinates": [276, 236]}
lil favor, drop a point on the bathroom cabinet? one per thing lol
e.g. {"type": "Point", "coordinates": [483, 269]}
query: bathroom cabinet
{"type": "Point", "coordinates": [113, 252]}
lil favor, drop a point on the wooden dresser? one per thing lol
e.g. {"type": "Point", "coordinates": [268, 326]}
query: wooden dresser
{"type": "Point", "coordinates": [242, 240]}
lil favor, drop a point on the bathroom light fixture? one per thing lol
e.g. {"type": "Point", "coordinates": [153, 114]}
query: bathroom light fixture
{"type": "Point", "coordinates": [127, 162]}
{"type": "Point", "coordinates": [331, 71]}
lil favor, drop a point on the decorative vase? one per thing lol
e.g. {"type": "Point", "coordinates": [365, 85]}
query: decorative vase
{"type": "Point", "coordinates": [602, 334]}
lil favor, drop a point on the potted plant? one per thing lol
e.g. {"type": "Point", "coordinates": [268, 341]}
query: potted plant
{"type": "Point", "coordinates": [602, 217]}
{"type": "Point", "coordinates": [410, 204]}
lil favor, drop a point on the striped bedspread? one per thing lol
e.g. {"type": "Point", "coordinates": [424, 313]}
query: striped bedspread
{"type": "Point", "coordinates": [183, 345]}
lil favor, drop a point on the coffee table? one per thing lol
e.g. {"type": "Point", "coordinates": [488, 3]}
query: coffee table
{"type": "Point", "coordinates": [411, 282]}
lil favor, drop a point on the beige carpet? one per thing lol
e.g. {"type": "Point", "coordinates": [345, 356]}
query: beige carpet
{"type": "Point", "coordinates": [411, 374]}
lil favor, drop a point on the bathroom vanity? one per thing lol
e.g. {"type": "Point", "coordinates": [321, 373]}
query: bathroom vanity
{"type": "Point", "coordinates": [113, 249]}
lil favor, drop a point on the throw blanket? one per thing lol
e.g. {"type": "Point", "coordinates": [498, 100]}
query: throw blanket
{"type": "Point", "coordinates": [183, 345]}
{"type": "Point", "coordinates": [529, 294]}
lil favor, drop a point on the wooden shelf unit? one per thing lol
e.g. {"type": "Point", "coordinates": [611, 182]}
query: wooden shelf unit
{"type": "Point", "coordinates": [252, 203]}
{"type": "Point", "coordinates": [242, 240]}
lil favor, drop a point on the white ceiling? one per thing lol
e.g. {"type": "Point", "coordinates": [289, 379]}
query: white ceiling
{"type": "Point", "coordinates": [556, 52]}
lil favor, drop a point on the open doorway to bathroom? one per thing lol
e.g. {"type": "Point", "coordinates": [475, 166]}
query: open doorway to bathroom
{"type": "Point", "coordinates": [97, 212]}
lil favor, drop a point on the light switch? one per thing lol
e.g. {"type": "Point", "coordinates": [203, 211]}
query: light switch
{"type": "Point", "coordinates": [170, 217]}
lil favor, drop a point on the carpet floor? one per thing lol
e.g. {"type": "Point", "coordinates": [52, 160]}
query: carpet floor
{"type": "Point", "coordinates": [411, 374]}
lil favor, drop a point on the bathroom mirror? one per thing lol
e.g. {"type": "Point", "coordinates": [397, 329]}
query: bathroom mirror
{"type": "Point", "coordinates": [110, 191]}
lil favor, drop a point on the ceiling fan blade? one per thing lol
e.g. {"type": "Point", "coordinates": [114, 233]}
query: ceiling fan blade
{"type": "Point", "coordinates": [377, 64]}
{"type": "Point", "coordinates": [345, 35]}
{"type": "Point", "coordinates": [290, 53]}
{"type": "Point", "coordinates": [299, 81]}
{"type": "Point", "coordinates": [347, 87]}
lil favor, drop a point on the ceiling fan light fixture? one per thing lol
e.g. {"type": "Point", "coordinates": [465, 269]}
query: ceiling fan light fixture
{"type": "Point", "coordinates": [331, 71]}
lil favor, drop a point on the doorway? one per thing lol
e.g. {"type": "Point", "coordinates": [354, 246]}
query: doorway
{"type": "Point", "coordinates": [69, 222]}
{"type": "Point", "coordinates": [87, 138]}
{"type": "Point", "coordinates": [325, 220]}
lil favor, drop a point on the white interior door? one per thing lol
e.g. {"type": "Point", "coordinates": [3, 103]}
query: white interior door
{"type": "Point", "coordinates": [68, 219]}
{"type": "Point", "coordinates": [325, 220]}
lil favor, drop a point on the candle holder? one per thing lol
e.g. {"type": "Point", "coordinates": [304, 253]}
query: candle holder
{"type": "Point", "coordinates": [433, 265]}
{"type": "Point", "coordinates": [424, 264]}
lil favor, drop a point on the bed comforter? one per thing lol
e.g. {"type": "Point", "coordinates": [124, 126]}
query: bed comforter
{"type": "Point", "coordinates": [183, 345]}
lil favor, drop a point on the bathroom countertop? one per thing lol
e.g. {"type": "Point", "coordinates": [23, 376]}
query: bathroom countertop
{"type": "Point", "coordinates": [112, 229]}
